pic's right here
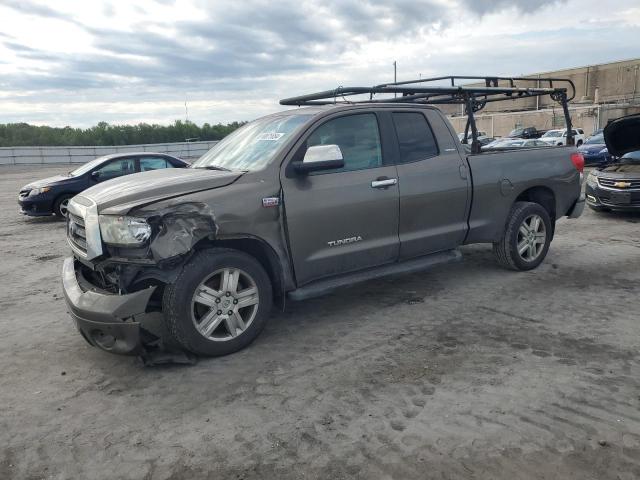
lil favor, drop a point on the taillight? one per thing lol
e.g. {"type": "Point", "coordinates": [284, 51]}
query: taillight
{"type": "Point", "coordinates": [578, 161]}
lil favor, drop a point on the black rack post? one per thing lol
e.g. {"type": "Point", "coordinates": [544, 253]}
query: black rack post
{"type": "Point", "coordinates": [471, 121]}
{"type": "Point", "coordinates": [567, 119]}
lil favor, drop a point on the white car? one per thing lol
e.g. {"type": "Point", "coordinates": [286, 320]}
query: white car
{"type": "Point", "coordinates": [559, 137]}
{"type": "Point", "coordinates": [481, 134]}
{"type": "Point", "coordinates": [508, 143]}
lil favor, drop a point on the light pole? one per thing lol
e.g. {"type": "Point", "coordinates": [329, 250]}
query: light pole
{"type": "Point", "coordinates": [395, 75]}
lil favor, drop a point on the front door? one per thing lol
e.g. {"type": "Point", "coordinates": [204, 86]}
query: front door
{"type": "Point", "coordinates": [346, 219]}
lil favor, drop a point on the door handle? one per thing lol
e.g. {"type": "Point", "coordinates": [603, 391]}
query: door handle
{"type": "Point", "coordinates": [383, 182]}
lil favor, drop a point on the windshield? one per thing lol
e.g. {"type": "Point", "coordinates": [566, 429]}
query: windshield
{"type": "Point", "coordinates": [631, 157]}
{"type": "Point", "coordinates": [553, 133]}
{"type": "Point", "coordinates": [252, 146]}
{"type": "Point", "coordinates": [87, 166]}
{"type": "Point", "coordinates": [517, 131]}
{"type": "Point", "coordinates": [595, 139]}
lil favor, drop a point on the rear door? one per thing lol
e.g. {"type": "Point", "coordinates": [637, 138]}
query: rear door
{"type": "Point", "coordinates": [114, 169]}
{"type": "Point", "coordinates": [346, 219]}
{"type": "Point", "coordinates": [434, 184]}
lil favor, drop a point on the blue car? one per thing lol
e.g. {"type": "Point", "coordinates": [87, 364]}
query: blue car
{"type": "Point", "coordinates": [51, 195]}
{"type": "Point", "coordinates": [594, 150]}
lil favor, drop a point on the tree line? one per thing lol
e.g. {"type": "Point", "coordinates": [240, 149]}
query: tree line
{"type": "Point", "coordinates": [23, 134]}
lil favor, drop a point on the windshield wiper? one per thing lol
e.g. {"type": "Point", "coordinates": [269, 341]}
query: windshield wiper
{"type": "Point", "coordinates": [215, 167]}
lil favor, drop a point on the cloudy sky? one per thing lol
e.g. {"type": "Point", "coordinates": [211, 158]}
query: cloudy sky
{"type": "Point", "coordinates": [76, 63]}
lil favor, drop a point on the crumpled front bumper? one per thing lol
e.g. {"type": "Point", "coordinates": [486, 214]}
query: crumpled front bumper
{"type": "Point", "coordinates": [107, 321]}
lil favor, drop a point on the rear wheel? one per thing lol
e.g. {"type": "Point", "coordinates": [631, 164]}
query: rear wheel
{"type": "Point", "coordinates": [219, 303]}
{"type": "Point", "coordinates": [61, 205]}
{"type": "Point", "coordinates": [526, 239]}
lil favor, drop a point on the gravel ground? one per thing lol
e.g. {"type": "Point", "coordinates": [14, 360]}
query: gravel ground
{"type": "Point", "coordinates": [466, 371]}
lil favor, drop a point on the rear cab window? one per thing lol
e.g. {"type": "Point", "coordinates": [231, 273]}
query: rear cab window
{"type": "Point", "coordinates": [415, 137]}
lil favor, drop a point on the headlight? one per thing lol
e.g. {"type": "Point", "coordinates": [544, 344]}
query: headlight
{"type": "Point", "coordinates": [125, 231]}
{"type": "Point", "coordinates": [592, 180]}
{"type": "Point", "coordinates": [38, 191]}
{"type": "Point", "coordinates": [604, 151]}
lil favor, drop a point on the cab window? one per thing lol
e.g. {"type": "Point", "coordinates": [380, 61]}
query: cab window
{"type": "Point", "coordinates": [358, 138]}
{"type": "Point", "coordinates": [415, 137]}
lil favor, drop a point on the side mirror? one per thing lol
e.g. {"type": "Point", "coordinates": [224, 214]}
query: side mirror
{"type": "Point", "coordinates": [320, 157]}
{"type": "Point", "coordinates": [95, 175]}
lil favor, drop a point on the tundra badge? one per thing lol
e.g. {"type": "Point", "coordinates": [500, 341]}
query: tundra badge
{"type": "Point", "coordinates": [344, 241]}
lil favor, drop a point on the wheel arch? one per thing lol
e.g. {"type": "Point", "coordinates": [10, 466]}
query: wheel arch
{"type": "Point", "coordinates": [58, 196]}
{"type": "Point", "coordinates": [262, 252]}
{"type": "Point", "coordinates": [543, 196]}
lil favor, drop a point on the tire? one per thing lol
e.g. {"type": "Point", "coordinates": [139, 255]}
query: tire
{"type": "Point", "coordinates": [197, 301]}
{"type": "Point", "coordinates": [579, 143]}
{"type": "Point", "coordinates": [60, 205]}
{"type": "Point", "coordinates": [507, 251]}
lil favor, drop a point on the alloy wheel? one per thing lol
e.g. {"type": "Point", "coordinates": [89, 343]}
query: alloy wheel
{"type": "Point", "coordinates": [225, 304]}
{"type": "Point", "coordinates": [64, 207]}
{"type": "Point", "coordinates": [532, 237]}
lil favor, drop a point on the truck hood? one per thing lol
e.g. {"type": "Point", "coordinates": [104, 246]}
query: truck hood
{"type": "Point", "coordinates": [121, 194]}
{"type": "Point", "coordinates": [623, 135]}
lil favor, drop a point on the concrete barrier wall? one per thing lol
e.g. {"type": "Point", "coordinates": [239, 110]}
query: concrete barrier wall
{"type": "Point", "coordinates": [45, 155]}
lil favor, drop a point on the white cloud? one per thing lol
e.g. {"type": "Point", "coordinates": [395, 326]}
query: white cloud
{"type": "Point", "coordinates": [79, 63]}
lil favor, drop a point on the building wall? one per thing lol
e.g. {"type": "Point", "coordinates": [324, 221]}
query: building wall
{"type": "Point", "coordinates": [587, 117]}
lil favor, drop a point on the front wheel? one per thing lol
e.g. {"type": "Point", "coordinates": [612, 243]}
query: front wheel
{"type": "Point", "coordinates": [219, 303]}
{"type": "Point", "coordinates": [526, 239]}
{"type": "Point", "coordinates": [61, 205]}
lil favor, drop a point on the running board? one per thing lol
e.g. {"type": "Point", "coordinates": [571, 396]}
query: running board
{"type": "Point", "coordinates": [321, 287]}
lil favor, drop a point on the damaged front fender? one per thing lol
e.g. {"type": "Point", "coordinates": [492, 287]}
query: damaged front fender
{"type": "Point", "coordinates": [179, 227]}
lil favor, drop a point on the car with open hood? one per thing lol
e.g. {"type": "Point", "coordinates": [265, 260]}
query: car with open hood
{"type": "Point", "coordinates": [616, 186]}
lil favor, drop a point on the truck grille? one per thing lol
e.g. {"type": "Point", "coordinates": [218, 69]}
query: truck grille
{"type": "Point", "coordinates": [76, 232]}
{"type": "Point", "coordinates": [634, 183]}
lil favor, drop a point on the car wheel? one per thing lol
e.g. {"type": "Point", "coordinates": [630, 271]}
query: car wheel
{"type": "Point", "coordinates": [219, 303]}
{"type": "Point", "coordinates": [526, 238]}
{"type": "Point", "coordinates": [61, 205]}
{"type": "Point", "coordinates": [579, 143]}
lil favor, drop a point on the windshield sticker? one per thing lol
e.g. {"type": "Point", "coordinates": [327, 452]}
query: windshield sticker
{"type": "Point", "coordinates": [273, 136]}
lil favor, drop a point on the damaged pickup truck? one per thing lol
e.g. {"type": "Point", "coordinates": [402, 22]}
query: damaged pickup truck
{"type": "Point", "coordinates": [303, 201]}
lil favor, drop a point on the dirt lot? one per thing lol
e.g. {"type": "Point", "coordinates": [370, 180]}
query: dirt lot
{"type": "Point", "coordinates": [467, 371]}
